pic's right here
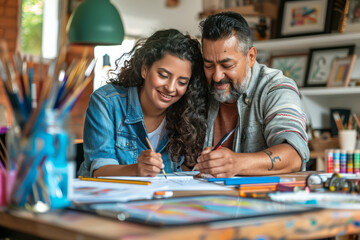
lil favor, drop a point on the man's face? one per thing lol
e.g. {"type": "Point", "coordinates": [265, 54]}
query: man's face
{"type": "Point", "coordinates": [227, 69]}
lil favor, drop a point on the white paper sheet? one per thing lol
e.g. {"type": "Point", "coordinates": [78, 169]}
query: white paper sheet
{"type": "Point", "coordinates": [321, 200]}
{"type": "Point", "coordinates": [91, 191]}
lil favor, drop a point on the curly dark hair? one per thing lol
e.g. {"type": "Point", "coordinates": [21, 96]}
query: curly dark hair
{"type": "Point", "coordinates": [226, 24]}
{"type": "Point", "coordinates": [185, 119]}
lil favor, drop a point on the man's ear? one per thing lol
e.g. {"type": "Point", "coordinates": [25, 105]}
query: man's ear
{"type": "Point", "coordinates": [251, 56]}
{"type": "Point", "coordinates": [143, 71]}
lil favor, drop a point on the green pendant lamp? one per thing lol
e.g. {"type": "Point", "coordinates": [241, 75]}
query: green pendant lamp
{"type": "Point", "coordinates": [95, 22]}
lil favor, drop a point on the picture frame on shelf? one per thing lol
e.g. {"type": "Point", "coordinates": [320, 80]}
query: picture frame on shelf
{"type": "Point", "coordinates": [292, 66]}
{"type": "Point", "coordinates": [353, 17]}
{"type": "Point", "coordinates": [303, 17]}
{"type": "Point", "coordinates": [320, 63]}
{"type": "Point", "coordinates": [341, 71]}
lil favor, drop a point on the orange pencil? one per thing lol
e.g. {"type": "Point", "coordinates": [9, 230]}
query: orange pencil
{"type": "Point", "coordinates": [264, 187]}
{"type": "Point", "coordinates": [112, 180]}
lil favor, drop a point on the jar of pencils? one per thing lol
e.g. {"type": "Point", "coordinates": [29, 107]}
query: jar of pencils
{"type": "Point", "coordinates": [39, 147]}
{"type": "Point", "coordinates": [44, 169]}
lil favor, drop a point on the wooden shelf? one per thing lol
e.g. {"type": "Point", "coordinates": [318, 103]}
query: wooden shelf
{"type": "Point", "coordinates": [324, 91]}
{"type": "Point", "coordinates": [306, 42]}
{"type": "Point", "coordinates": [264, 9]}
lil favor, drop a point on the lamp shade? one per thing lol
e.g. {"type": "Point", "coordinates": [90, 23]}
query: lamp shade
{"type": "Point", "coordinates": [95, 22]}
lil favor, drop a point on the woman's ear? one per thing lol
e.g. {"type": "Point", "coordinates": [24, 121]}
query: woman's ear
{"type": "Point", "coordinates": [251, 56]}
{"type": "Point", "coordinates": [143, 71]}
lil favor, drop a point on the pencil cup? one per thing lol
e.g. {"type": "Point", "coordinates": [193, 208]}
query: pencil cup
{"type": "Point", "coordinates": [43, 175]}
{"type": "Point", "coordinates": [347, 139]}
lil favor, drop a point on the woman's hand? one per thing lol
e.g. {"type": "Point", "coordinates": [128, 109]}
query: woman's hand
{"type": "Point", "coordinates": [149, 164]}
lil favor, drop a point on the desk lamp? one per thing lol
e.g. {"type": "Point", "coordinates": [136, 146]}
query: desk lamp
{"type": "Point", "coordinates": [95, 22]}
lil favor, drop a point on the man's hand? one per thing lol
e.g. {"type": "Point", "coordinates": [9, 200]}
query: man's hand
{"type": "Point", "coordinates": [149, 164]}
{"type": "Point", "coordinates": [220, 163]}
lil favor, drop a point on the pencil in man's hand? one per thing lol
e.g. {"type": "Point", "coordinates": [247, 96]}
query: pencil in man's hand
{"type": "Point", "coordinates": [162, 170]}
{"type": "Point", "coordinates": [223, 140]}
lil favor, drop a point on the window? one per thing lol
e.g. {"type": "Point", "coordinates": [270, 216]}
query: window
{"type": "Point", "coordinates": [31, 26]}
{"type": "Point", "coordinates": [40, 27]}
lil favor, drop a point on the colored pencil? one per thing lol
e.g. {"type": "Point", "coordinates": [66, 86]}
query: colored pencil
{"type": "Point", "coordinates": [112, 180]}
{"type": "Point", "coordinates": [269, 186]}
{"type": "Point", "coordinates": [356, 119]}
{"type": "Point", "coordinates": [338, 121]}
{"type": "Point", "coordinates": [162, 170]}
{"type": "Point", "coordinates": [223, 140]}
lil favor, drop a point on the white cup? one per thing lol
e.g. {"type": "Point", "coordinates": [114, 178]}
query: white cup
{"type": "Point", "coordinates": [347, 139]}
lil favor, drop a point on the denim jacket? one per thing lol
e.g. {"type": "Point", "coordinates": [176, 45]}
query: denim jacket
{"type": "Point", "coordinates": [270, 113]}
{"type": "Point", "coordinates": [114, 131]}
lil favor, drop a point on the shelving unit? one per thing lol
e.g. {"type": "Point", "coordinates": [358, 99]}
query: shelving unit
{"type": "Point", "coordinates": [318, 101]}
{"type": "Point", "coordinates": [336, 91]}
{"type": "Point", "coordinates": [306, 42]}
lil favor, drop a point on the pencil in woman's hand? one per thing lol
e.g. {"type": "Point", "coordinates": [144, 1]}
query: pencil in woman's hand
{"type": "Point", "coordinates": [162, 170]}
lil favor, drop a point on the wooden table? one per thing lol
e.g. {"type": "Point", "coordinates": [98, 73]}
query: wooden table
{"type": "Point", "coordinates": [69, 224]}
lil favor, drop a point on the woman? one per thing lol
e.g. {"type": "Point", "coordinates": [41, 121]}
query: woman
{"type": "Point", "coordinates": [159, 94]}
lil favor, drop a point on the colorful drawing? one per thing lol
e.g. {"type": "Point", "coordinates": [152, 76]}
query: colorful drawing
{"type": "Point", "coordinates": [190, 210]}
{"type": "Point", "coordinates": [292, 66]}
{"type": "Point", "coordinates": [304, 15]}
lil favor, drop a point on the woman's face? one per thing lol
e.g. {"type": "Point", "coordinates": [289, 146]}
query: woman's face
{"type": "Point", "coordinates": [165, 82]}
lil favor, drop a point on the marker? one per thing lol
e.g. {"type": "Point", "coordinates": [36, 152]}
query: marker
{"type": "Point", "coordinates": [343, 161]}
{"type": "Point", "coordinates": [250, 180]}
{"type": "Point", "coordinates": [223, 140]}
{"type": "Point", "coordinates": [336, 161]}
{"type": "Point", "coordinates": [350, 162]}
{"type": "Point", "coordinates": [330, 161]}
{"type": "Point", "coordinates": [357, 161]}
{"type": "Point", "coordinates": [163, 194]}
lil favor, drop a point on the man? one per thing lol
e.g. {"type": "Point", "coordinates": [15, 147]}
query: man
{"type": "Point", "coordinates": [259, 102]}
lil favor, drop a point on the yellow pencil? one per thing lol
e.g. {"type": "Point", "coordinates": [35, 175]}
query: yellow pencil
{"type": "Point", "coordinates": [112, 180]}
{"type": "Point", "coordinates": [162, 170]}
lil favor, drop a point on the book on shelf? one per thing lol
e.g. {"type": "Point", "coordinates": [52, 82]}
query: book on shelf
{"type": "Point", "coordinates": [339, 15]}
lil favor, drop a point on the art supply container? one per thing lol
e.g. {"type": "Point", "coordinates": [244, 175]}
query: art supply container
{"type": "Point", "coordinates": [347, 139]}
{"type": "Point", "coordinates": [44, 169]}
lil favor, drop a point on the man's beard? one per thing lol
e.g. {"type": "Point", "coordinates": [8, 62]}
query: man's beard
{"type": "Point", "coordinates": [235, 90]}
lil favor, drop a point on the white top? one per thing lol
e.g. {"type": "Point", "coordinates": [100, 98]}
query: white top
{"type": "Point", "coordinates": [155, 136]}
